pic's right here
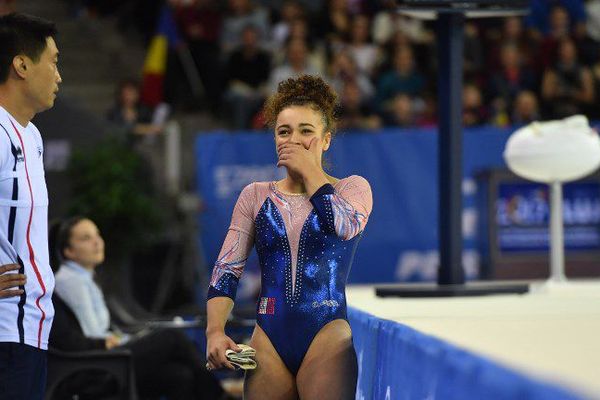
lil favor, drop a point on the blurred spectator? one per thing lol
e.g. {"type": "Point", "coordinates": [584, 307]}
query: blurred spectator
{"type": "Point", "coordinates": [568, 87]}
{"type": "Point", "coordinates": [200, 24]}
{"type": "Point", "coordinates": [526, 109]}
{"type": "Point", "coordinates": [539, 19]}
{"type": "Point", "coordinates": [300, 30]}
{"type": "Point", "coordinates": [559, 23]}
{"type": "Point", "coordinates": [129, 113]}
{"type": "Point", "coordinates": [290, 11]}
{"type": "Point", "coordinates": [247, 73]}
{"type": "Point", "coordinates": [388, 21]}
{"type": "Point", "coordinates": [334, 24]}
{"type": "Point", "coordinates": [343, 69]}
{"type": "Point", "coordinates": [473, 52]}
{"type": "Point", "coordinates": [199, 21]}
{"type": "Point", "coordinates": [474, 111]}
{"type": "Point", "coordinates": [355, 111]}
{"type": "Point", "coordinates": [559, 29]}
{"type": "Point", "coordinates": [240, 14]}
{"type": "Point", "coordinates": [498, 112]}
{"type": "Point", "coordinates": [422, 55]}
{"type": "Point", "coordinates": [402, 79]}
{"type": "Point", "coordinates": [365, 53]}
{"type": "Point", "coordinates": [512, 32]}
{"type": "Point", "coordinates": [142, 126]}
{"type": "Point", "coordinates": [511, 78]}
{"type": "Point", "coordinates": [428, 117]}
{"type": "Point", "coordinates": [592, 9]}
{"type": "Point", "coordinates": [297, 63]}
{"type": "Point", "coordinates": [589, 44]}
{"type": "Point", "coordinates": [401, 112]}
{"type": "Point", "coordinates": [7, 6]}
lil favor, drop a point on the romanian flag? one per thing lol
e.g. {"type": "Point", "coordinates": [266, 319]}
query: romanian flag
{"type": "Point", "coordinates": [155, 65]}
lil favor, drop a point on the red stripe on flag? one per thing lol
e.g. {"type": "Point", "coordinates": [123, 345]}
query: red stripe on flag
{"type": "Point", "coordinates": [152, 89]}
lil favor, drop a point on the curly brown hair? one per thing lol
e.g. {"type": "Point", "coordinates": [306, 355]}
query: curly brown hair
{"type": "Point", "coordinates": [306, 90]}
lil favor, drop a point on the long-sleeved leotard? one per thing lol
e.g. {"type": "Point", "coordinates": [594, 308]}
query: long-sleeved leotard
{"type": "Point", "coordinates": [305, 248]}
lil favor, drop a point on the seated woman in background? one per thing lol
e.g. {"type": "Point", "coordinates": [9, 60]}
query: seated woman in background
{"type": "Point", "coordinates": [166, 361]}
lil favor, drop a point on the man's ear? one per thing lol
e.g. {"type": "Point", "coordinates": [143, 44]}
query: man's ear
{"type": "Point", "coordinates": [20, 65]}
{"type": "Point", "coordinates": [326, 141]}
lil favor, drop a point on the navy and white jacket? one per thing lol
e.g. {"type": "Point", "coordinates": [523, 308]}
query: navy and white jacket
{"type": "Point", "coordinates": [24, 233]}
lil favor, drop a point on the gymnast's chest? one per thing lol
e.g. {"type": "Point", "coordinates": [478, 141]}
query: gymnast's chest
{"type": "Point", "coordinates": [279, 226]}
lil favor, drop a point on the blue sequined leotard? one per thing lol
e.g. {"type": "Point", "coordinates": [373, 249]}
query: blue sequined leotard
{"type": "Point", "coordinates": [303, 282]}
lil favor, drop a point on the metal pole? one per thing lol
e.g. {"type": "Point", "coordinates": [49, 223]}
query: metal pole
{"type": "Point", "coordinates": [450, 81]}
{"type": "Point", "coordinates": [172, 158]}
{"type": "Point", "coordinates": [557, 242]}
{"type": "Point", "coordinates": [191, 71]}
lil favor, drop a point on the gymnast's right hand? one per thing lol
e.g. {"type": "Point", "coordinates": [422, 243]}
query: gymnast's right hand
{"type": "Point", "coordinates": [217, 344]}
{"type": "Point", "coordinates": [9, 283]}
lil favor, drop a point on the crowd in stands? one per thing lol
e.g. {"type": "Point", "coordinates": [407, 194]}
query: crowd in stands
{"type": "Point", "coordinates": [384, 64]}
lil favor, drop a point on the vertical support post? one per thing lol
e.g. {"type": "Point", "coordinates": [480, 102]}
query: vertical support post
{"type": "Point", "coordinates": [450, 82]}
{"type": "Point", "coordinates": [557, 242]}
{"type": "Point", "coordinates": [172, 158]}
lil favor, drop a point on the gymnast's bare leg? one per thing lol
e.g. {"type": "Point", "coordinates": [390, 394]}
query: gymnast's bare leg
{"type": "Point", "coordinates": [329, 369]}
{"type": "Point", "coordinates": [271, 379]}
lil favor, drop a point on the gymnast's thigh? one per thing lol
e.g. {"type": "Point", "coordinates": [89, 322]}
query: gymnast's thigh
{"type": "Point", "coordinates": [329, 369]}
{"type": "Point", "coordinates": [271, 379]}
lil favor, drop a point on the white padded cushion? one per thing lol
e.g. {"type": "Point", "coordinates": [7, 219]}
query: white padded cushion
{"type": "Point", "coordinates": [563, 150]}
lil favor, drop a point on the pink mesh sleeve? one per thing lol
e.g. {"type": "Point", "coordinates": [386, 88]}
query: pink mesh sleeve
{"type": "Point", "coordinates": [236, 247]}
{"type": "Point", "coordinates": [351, 204]}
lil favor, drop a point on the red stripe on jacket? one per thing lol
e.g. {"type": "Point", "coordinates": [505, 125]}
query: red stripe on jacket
{"type": "Point", "coordinates": [31, 253]}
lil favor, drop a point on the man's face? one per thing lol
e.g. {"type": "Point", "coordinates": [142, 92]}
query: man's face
{"type": "Point", "coordinates": [43, 78]}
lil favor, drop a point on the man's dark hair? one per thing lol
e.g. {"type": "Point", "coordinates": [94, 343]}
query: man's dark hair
{"type": "Point", "coordinates": [22, 34]}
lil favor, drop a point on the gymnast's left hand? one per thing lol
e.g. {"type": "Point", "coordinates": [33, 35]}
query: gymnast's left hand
{"type": "Point", "coordinates": [299, 160]}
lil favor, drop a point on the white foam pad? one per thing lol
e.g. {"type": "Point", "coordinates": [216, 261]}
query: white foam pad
{"type": "Point", "coordinates": [563, 150]}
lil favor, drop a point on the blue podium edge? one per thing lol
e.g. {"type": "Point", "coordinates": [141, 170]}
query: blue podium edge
{"type": "Point", "coordinates": [392, 355]}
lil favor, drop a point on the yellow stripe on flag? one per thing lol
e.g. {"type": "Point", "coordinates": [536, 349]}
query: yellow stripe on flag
{"type": "Point", "coordinates": [156, 58]}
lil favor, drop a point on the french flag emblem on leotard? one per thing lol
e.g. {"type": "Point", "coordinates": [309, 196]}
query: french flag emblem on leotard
{"type": "Point", "coordinates": [267, 305]}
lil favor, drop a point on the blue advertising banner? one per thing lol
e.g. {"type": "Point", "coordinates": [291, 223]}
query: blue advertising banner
{"type": "Point", "coordinates": [523, 215]}
{"type": "Point", "coordinates": [400, 241]}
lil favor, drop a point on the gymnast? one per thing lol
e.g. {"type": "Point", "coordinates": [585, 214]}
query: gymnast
{"type": "Point", "coordinates": [305, 228]}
